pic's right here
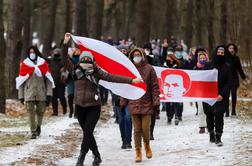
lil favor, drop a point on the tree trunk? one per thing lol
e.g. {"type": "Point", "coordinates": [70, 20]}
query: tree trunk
{"type": "Point", "coordinates": [14, 46]}
{"type": "Point", "coordinates": [2, 57]}
{"type": "Point", "coordinates": [189, 23]}
{"type": "Point", "coordinates": [49, 9]}
{"type": "Point", "coordinates": [27, 36]}
{"type": "Point", "coordinates": [81, 18]}
{"type": "Point", "coordinates": [97, 7]}
{"type": "Point", "coordinates": [143, 19]}
{"type": "Point", "coordinates": [210, 26]}
{"type": "Point", "coordinates": [198, 22]}
{"type": "Point", "coordinates": [223, 22]}
{"type": "Point", "coordinates": [68, 20]}
{"type": "Point", "coordinates": [170, 18]}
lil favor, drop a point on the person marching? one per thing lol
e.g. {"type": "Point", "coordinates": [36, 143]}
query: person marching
{"type": "Point", "coordinates": [86, 97]}
{"type": "Point", "coordinates": [142, 109]}
{"type": "Point", "coordinates": [34, 84]}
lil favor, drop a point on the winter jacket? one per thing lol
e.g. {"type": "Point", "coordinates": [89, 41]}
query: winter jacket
{"type": "Point", "coordinates": [85, 91]}
{"type": "Point", "coordinates": [35, 89]}
{"type": "Point", "coordinates": [55, 65]}
{"type": "Point", "coordinates": [224, 83]}
{"type": "Point", "coordinates": [235, 66]}
{"type": "Point", "coordinates": [145, 105]}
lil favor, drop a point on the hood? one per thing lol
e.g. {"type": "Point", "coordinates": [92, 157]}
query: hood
{"type": "Point", "coordinates": [216, 60]}
{"type": "Point", "coordinates": [142, 54]}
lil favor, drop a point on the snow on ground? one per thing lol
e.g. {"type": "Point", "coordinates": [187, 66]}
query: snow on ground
{"type": "Point", "coordinates": [54, 128]}
{"type": "Point", "coordinates": [176, 145]}
{"type": "Point", "coordinates": [173, 145]}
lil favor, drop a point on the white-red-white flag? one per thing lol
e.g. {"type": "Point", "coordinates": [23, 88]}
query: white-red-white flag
{"type": "Point", "coordinates": [113, 61]}
{"type": "Point", "coordinates": [187, 85]}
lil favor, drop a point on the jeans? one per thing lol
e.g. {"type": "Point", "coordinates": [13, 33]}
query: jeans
{"type": "Point", "coordinates": [125, 124]}
{"type": "Point", "coordinates": [174, 108]}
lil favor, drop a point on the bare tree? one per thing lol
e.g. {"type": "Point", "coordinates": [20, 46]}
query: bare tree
{"type": "Point", "coordinates": [14, 45]}
{"type": "Point", "coordinates": [97, 7]}
{"type": "Point", "coordinates": [143, 19]}
{"type": "Point", "coordinates": [81, 18]}
{"type": "Point", "coordinates": [223, 21]}
{"type": "Point", "coordinates": [49, 14]}
{"type": "Point", "coordinates": [27, 36]}
{"type": "Point", "coordinates": [2, 57]}
{"type": "Point", "coordinates": [68, 20]}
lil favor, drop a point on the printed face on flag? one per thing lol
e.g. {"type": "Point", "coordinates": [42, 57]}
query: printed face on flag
{"type": "Point", "coordinates": [173, 86]}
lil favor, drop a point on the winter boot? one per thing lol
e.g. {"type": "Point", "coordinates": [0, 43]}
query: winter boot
{"type": "Point", "coordinates": [138, 154]}
{"type": "Point", "coordinates": [176, 121]}
{"type": "Point", "coordinates": [169, 121]}
{"type": "Point", "coordinates": [34, 136]}
{"type": "Point", "coordinates": [97, 158]}
{"type": "Point", "coordinates": [38, 130]}
{"type": "Point", "coordinates": [148, 150]}
{"type": "Point", "coordinates": [128, 146]}
{"type": "Point", "coordinates": [233, 112]}
{"type": "Point", "coordinates": [212, 136]}
{"type": "Point", "coordinates": [218, 139]}
{"type": "Point", "coordinates": [81, 159]}
{"type": "Point", "coordinates": [123, 145]}
{"type": "Point", "coordinates": [151, 137]}
{"type": "Point", "coordinates": [202, 130]}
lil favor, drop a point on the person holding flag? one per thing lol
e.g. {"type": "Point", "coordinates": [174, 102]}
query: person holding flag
{"type": "Point", "coordinates": [87, 75]}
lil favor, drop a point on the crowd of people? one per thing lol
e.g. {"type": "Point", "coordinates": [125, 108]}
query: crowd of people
{"type": "Point", "coordinates": [78, 73]}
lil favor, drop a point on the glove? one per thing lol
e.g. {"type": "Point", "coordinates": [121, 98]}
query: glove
{"type": "Point", "coordinates": [48, 100]}
{"type": "Point", "coordinates": [22, 101]}
{"type": "Point", "coordinates": [157, 111]}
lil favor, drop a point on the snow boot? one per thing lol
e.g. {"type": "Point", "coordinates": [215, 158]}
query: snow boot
{"type": "Point", "coordinates": [128, 146]}
{"type": "Point", "coordinates": [123, 145]}
{"type": "Point", "coordinates": [202, 130]}
{"type": "Point", "coordinates": [218, 139]}
{"type": "Point", "coordinates": [34, 136]}
{"type": "Point", "coordinates": [148, 150]}
{"type": "Point", "coordinates": [138, 154]}
{"type": "Point", "coordinates": [38, 130]}
{"type": "Point", "coordinates": [151, 137]}
{"type": "Point", "coordinates": [212, 136]}
{"type": "Point", "coordinates": [176, 122]}
{"type": "Point", "coordinates": [81, 159]}
{"type": "Point", "coordinates": [169, 120]}
{"type": "Point", "coordinates": [97, 158]}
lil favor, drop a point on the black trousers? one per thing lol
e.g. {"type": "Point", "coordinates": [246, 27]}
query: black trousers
{"type": "Point", "coordinates": [233, 92]}
{"type": "Point", "coordinates": [70, 103]}
{"type": "Point", "coordinates": [215, 120]}
{"type": "Point", "coordinates": [59, 92]}
{"type": "Point", "coordinates": [88, 118]}
{"type": "Point", "coordinates": [174, 108]}
{"type": "Point", "coordinates": [153, 122]}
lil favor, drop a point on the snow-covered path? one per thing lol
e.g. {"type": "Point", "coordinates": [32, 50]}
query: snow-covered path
{"type": "Point", "coordinates": [177, 145]}
{"type": "Point", "coordinates": [173, 145]}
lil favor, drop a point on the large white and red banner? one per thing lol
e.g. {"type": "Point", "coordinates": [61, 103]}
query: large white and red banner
{"type": "Point", "coordinates": [113, 61]}
{"type": "Point", "coordinates": [175, 85]}
{"type": "Point", "coordinates": [187, 85]}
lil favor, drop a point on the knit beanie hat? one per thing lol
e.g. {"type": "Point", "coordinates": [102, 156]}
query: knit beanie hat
{"type": "Point", "coordinates": [86, 54]}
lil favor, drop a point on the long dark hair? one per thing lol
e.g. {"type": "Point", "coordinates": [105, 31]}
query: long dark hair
{"type": "Point", "coordinates": [36, 51]}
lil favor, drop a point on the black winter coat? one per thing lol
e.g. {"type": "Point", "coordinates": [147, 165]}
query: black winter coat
{"type": "Point", "coordinates": [235, 67]}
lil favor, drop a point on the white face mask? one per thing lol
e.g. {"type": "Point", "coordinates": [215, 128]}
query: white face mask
{"type": "Point", "coordinates": [32, 56]}
{"type": "Point", "coordinates": [137, 59]}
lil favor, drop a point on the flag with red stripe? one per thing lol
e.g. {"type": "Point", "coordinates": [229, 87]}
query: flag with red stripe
{"type": "Point", "coordinates": [187, 85]}
{"type": "Point", "coordinates": [113, 61]}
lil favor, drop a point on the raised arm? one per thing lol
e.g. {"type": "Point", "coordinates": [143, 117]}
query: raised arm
{"type": "Point", "coordinates": [66, 60]}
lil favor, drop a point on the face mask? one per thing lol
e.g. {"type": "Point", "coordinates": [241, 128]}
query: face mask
{"type": "Point", "coordinates": [32, 56]}
{"type": "Point", "coordinates": [137, 59]}
{"type": "Point", "coordinates": [202, 62]}
{"type": "Point", "coordinates": [179, 54]}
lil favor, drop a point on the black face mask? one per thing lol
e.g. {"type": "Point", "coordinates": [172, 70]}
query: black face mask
{"type": "Point", "coordinates": [220, 59]}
